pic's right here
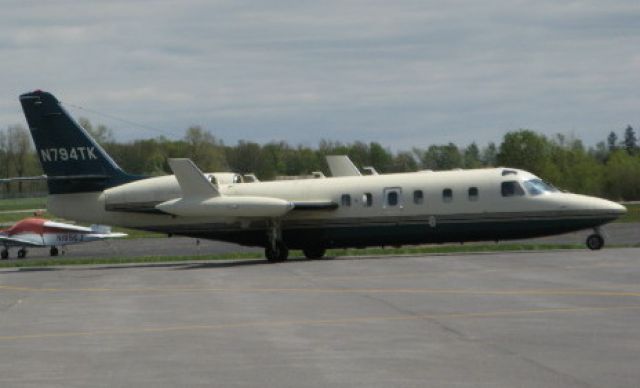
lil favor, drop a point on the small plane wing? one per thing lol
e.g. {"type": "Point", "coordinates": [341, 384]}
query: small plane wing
{"type": "Point", "coordinates": [192, 181]}
{"type": "Point", "coordinates": [102, 236]}
{"type": "Point", "coordinates": [341, 165]}
{"type": "Point", "coordinates": [9, 241]}
{"type": "Point", "coordinates": [67, 227]}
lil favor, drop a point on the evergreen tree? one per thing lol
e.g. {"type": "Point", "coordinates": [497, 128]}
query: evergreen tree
{"type": "Point", "coordinates": [630, 140]}
{"type": "Point", "coordinates": [612, 141]}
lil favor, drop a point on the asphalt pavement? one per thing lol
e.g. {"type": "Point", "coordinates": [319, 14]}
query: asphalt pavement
{"type": "Point", "coordinates": [533, 319]}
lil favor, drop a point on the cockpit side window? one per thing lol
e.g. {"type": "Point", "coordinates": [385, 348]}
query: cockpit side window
{"type": "Point", "coordinates": [511, 189]}
{"type": "Point", "coordinates": [538, 186]}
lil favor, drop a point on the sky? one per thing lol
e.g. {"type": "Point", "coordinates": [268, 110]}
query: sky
{"type": "Point", "coordinates": [402, 73]}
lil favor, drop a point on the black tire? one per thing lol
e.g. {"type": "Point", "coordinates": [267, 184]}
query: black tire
{"type": "Point", "coordinates": [314, 252]}
{"type": "Point", "coordinates": [280, 253]}
{"type": "Point", "coordinates": [595, 242]}
{"type": "Point", "coordinates": [22, 253]}
{"type": "Point", "coordinates": [53, 251]}
{"type": "Point", "coordinates": [4, 254]}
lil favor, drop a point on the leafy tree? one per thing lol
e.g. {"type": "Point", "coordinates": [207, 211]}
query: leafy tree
{"type": "Point", "coordinates": [19, 148]}
{"type": "Point", "coordinates": [527, 150]}
{"type": "Point", "coordinates": [490, 155]}
{"type": "Point", "coordinates": [101, 133]}
{"type": "Point", "coordinates": [204, 149]}
{"type": "Point", "coordinates": [440, 157]}
{"type": "Point", "coordinates": [380, 158]}
{"type": "Point", "coordinates": [404, 162]}
{"type": "Point", "coordinates": [472, 156]}
{"type": "Point", "coordinates": [600, 152]}
{"type": "Point", "coordinates": [623, 176]}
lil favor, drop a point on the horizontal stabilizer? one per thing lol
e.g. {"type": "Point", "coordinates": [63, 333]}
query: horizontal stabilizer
{"type": "Point", "coordinates": [193, 183]}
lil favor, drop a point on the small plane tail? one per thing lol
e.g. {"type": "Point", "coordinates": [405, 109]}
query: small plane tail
{"type": "Point", "coordinates": [71, 159]}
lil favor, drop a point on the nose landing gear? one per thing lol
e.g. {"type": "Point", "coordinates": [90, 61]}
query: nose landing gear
{"type": "Point", "coordinates": [595, 241]}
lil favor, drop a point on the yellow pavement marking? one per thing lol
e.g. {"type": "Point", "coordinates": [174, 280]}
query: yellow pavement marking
{"type": "Point", "coordinates": [311, 322]}
{"type": "Point", "coordinates": [543, 291]}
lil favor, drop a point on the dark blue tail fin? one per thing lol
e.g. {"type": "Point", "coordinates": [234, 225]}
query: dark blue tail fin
{"type": "Point", "coordinates": [71, 159]}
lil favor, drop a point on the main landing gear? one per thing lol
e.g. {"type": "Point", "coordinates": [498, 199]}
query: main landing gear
{"type": "Point", "coordinates": [277, 253]}
{"type": "Point", "coordinates": [4, 254]}
{"type": "Point", "coordinates": [53, 251]}
{"type": "Point", "coordinates": [276, 250]}
{"type": "Point", "coordinates": [314, 252]}
{"type": "Point", "coordinates": [22, 253]}
{"type": "Point", "coordinates": [595, 241]}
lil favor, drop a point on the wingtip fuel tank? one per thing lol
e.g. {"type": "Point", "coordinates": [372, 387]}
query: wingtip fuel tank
{"type": "Point", "coordinates": [227, 207]}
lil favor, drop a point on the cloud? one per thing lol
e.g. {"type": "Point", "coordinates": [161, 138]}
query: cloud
{"type": "Point", "coordinates": [403, 73]}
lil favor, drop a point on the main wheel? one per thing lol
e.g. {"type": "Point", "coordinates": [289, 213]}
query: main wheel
{"type": "Point", "coordinates": [4, 254]}
{"type": "Point", "coordinates": [595, 242]}
{"type": "Point", "coordinates": [53, 251]}
{"type": "Point", "coordinates": [22, 253]}
{"type": "Point", "coordinates": [280, 253]}
{"type": "Point", "coordinates": [314, 252]}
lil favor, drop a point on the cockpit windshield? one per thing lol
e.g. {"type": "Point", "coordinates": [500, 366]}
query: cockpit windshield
{"type": "Point", "coordinates": [538, 186]}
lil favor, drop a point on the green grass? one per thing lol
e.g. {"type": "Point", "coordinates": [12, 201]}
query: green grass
{"type": "Point", "coordinates": [23, 203]}
{"type": "Point", "coordinates": [424, 250]}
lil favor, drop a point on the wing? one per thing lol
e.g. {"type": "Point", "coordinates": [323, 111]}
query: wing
{"type": "Point", "coordinates": [200, 198]}
{"type": "Point", "coordinates": [12, 241]}
{"type": "Point", "coordinates": [67, 227]}
{"type": "Point", "coordinates": [102, 236]}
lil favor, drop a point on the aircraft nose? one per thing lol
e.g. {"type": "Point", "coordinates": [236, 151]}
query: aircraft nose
{"type": "Point", "coordinates": [617, 208]}
{"type": "Point", "coordinates": [610, 207]}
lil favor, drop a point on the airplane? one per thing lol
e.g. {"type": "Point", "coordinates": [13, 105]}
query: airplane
{"type": "Point", "coordinates": [85, 184]}
{"type": "Point", "coordinates": [39, 232]}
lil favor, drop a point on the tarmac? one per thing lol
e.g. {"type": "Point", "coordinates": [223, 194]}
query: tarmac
{"type": "Point", "coordinates": [532, 319]}
{"type": "Point", "coordinates": [615, 234]}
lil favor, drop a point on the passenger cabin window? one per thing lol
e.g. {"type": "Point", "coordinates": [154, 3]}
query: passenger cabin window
{"type": "Point", "coordinates": [473, 193]}
{"type": "Point", "coordinates": [511, 189]}
{"type": "Point", "coordinates": [447, 195]}
{"type": "Point", "coordinates": [418, 197]}
{"type": "Point", "coordinates": [346, 200]}
{"type": "Point", "coordinates": [392, 197]}
{"type": "Point", "coordinates": [367, 200]}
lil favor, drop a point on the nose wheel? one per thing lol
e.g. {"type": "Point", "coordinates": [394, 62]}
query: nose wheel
{"type": "Point", "coordinates": [595, 241]}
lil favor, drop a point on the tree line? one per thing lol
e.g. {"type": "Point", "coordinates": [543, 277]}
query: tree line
{"type": "Point", "coordinates": [609, 169]}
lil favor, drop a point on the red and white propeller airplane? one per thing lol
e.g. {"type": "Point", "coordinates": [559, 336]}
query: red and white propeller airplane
{"type": "Point", "coordinates": [38, 232]}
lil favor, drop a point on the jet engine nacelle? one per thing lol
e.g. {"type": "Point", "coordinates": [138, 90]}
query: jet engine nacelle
{"type": "Point", "coordinates": [224, 206]}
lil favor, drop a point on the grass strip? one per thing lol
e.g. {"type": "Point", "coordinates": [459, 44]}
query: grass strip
{"type": "Point", "coordinates": [438, 249]}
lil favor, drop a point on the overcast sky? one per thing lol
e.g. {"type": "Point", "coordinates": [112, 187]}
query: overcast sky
{"type": "Point", "coordinates": [403, 73]}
